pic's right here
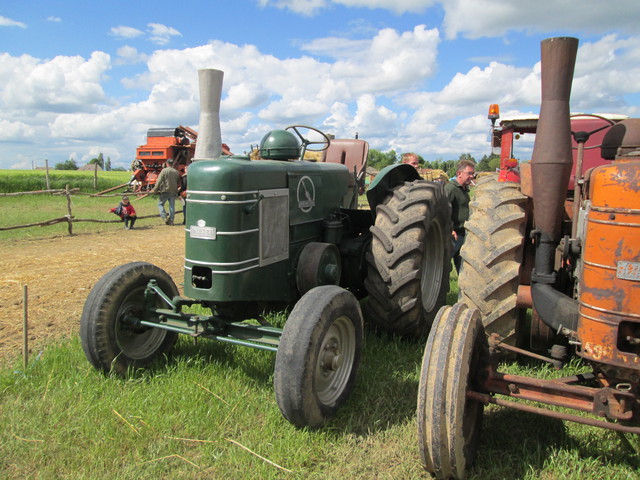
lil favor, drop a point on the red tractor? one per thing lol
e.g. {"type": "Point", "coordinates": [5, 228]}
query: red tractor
{"type": "Point", "coordinates": [573, 255]}
{"type": "Point", "coordinates": [499, 245]}
{"type": "Point", "coordinates": [163, 143]}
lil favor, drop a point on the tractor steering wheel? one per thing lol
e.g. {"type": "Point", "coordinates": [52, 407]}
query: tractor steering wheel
{"type": "Point", "coordinates": [306, 142]}
{"type": "Point", "coordinates": [583, 137]}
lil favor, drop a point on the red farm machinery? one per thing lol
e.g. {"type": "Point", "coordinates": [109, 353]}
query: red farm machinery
{"type": "Point", "coordinates": [162, 144]}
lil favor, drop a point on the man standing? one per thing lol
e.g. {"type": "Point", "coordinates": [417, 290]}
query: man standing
{"type": "Point", "coordinates": [167, 187]}
{"type": "Point", "coordinates": [457, 191]}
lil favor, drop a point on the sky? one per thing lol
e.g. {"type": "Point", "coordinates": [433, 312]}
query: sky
{"type": "Point", "coordinates": [83, 77]}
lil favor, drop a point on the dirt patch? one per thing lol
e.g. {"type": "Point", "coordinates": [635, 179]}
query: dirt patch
{"type": "Point", "coordinates": [60, 272]}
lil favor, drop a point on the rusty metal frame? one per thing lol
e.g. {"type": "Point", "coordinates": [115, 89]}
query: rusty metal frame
{"type": "Point", "coordinates": [605, 402]}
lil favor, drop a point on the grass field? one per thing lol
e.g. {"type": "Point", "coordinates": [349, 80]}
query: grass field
{"type": "Point", "coordinates": [209, 412]}
{"type": "Point", "coordinates": [32, 180]}
{"type": "Point", "coordinates": [28, 209]}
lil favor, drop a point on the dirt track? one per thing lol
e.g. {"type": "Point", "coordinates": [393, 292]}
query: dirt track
{"type": "Point", "coordinates": [60, 272]}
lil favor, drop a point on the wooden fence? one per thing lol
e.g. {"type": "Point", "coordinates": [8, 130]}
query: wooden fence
{"type": "Point", "coordinates": [69, 218]}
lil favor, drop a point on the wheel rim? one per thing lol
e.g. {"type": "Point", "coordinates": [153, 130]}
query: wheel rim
{"type": "Point", "coordinates": [432, 266]}
{"type": "Point", "coordinates": [137, 343]}
{"type": "Point", "coordinates": [335, 360]}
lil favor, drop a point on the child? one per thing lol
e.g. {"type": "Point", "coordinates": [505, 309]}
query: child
{"type": "Point", "coordinates": [126, 212]}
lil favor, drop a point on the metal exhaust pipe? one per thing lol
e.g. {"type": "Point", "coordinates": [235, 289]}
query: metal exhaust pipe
{"type": "Point", "coordinates": [209, 144]}
{"type": "Point", "coordinates": [551, 168]}
{"type": "Point", "coordinates": [552, 160]}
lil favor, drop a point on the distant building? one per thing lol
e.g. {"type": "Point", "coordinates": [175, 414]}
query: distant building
{"type": "Point", "coordinates": [91, 167]}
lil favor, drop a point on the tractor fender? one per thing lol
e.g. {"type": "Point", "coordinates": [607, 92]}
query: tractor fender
{"type": "Point", "coordinates": [388, 178]}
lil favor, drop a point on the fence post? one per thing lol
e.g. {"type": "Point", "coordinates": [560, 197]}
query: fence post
{"type": "Point", "coordinates": [25, 328]}
{"type": "Point", "coordinates": [95, 176]}
{"type": "Point", "coordinates": [69, 216]}
{"type": "Point", "coordinates": [46, 167]}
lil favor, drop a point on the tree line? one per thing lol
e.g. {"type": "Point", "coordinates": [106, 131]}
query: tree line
{"type": "Point", "coordinates": [379, 160]}
{"type": "Point", "coordinates": [104, 164]}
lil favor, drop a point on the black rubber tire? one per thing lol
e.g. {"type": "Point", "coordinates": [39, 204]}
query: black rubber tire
{"type": "Point", "coordinates": [449, 424]}
{"type": "Point", "coordinates": [410, 259]}
{"type": "Point", "coordinates": [318, 356]}
{"type": "Point", "coordinates": [108, 343]}
{"type": "Point", "coordinates": [492, 255]}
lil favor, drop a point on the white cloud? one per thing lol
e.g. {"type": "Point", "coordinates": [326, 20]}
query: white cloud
{"type": "Point", "coordinates": [16, 131]}
{"type": "Point", "coordinates": [7, 22]}
{"type": "Point", "coordinates": [245, 95]}
{"type": "Point", "coordinates": [311, 7]}
{"type": "Point", "coordinates": [57, 85]}
{"type": "Point", "coordinates": [125, 32]}
{"type": "Point", "coordinates": [161, 34]}
{"type": "Point", "coordinates": [494, 18]}
{"type": "Point", "coordinates": [130, 55]}
{"type": "Point", "coordinates": [54, 19]}
{"type": "Point", "coordinates": [304, 7]}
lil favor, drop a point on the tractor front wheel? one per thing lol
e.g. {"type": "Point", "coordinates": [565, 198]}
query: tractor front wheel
{"type": "Point", "coordinates": [449, 423]}
{"type": "Point", "coordinates": [318, 355]}
{"type": "Point", "coordinates": [410, 258]}
{"type": "Point", "coordinates": [110, 338]}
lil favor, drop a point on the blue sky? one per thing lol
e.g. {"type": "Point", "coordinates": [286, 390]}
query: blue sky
{"type": "Point", "coordinates": [82, 77]}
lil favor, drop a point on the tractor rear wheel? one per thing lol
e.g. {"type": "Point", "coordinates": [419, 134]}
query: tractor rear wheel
{"type": "Point", "coordinates": [492, 255]}
{"type": "Point", "coordinates": [410, 258]}
{"type": "Point", "coordinates": [112, 342]}
{"type": "Point", "coordinates": [318, 355]}
{"type": "Point", "coordinates": [449, 424]}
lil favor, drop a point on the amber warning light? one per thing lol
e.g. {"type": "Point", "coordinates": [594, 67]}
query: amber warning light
{"type": "Point", "coordinates": [494, 113]}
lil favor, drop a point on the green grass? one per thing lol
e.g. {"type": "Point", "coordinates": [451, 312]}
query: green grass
{"type": "Point", "coordinates": [39, 208]}
{"type": "Point", "coordinates": [28, 209]}
{"type": "Point", "coordinates": [186, 418]}
{"type": "Point", "coordinates": [32, 180]}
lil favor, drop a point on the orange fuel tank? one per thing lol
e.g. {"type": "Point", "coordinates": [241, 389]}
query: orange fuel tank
{"type": "Point", "coordinates": [609, 291]}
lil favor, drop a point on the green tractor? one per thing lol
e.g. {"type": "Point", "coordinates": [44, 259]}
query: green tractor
{"type": "Point", "coordinates": [280, 232]}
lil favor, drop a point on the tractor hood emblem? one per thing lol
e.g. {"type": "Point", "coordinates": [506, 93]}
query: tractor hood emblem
{"type": "Point", "coordinates": [306, 194]}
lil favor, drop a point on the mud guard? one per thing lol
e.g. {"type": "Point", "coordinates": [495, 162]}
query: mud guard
{"type": "Point", "coordinates": [388, 178]}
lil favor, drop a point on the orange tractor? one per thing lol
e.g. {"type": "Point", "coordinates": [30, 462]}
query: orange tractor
{"type": "Point", "coordinates": [162, 144]}
{"type": "Point", "coordinates": [565, 242]}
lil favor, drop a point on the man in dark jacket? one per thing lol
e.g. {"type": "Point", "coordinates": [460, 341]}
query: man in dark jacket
{"type": "Point", "coordinates": [457, 191]}
{"type": "Point", "coordinates": [167, 189]}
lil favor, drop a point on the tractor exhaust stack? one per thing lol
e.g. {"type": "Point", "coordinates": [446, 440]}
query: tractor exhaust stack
{"type": "Point", "coordinates": [209, 145]}
{"type": "Point", "coordinates": [551, 168]}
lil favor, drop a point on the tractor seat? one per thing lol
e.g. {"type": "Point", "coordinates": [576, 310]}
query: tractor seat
{"type": "Point", "coordinates": [351, 153]}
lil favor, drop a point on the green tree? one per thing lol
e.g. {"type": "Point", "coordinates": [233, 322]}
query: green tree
{"type": "Point", "coordinates": [379, 160]}
{"type": "Point", "coordinates": [99, 160]}
{"type": "Point", "coordinates": [107, 165]}
{"type": "Point", "coordinates": [67, 165]}
{"type": "Point", "coordinates": [483, 165]}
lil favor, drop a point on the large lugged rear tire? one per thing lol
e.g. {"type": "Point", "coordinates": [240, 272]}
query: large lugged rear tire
{"type": "Point", "coordinates": [492, 255]}
{"type": "Point", "coordinates": [410, 258]}
{"type": "Point", "coordinates": [109, 341]}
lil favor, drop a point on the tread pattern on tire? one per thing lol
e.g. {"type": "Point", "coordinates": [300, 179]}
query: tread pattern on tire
{"type": "Point", "coordinates": [395, 260]}
{"type": "Point", "coordinates": [492, 255]}
{"type": "Point", "coordinates": [299, 350]}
